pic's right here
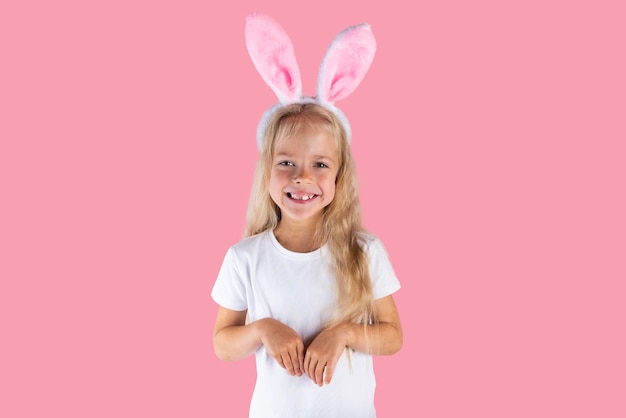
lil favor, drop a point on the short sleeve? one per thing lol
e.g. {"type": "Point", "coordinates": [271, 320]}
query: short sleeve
{"type": "Point", "coordinates": [384, 280]}
{"type": "Point", "coordinates": [229, 289]}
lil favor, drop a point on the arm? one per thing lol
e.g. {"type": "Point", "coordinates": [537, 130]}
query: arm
{"type": "Point", "coordinates": [384, 337]}
{"type": "Point", "coordinates": [381, 338]}
{"type": "Point", "coordinates": [233, 339]}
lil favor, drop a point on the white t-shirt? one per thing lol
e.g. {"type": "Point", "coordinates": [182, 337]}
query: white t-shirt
{"type": "Point", "coordinates": [298, 289]}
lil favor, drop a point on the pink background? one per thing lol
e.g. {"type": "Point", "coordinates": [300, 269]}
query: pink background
{"type": "Point", "coordinates": [489, 138]}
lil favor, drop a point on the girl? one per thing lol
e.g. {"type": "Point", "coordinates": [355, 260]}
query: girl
{"type": "Point", "coordinates": [308, 290]}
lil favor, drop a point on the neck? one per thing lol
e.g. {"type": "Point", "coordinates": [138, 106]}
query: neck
{"type": "Point", "coordinates": [297, 238]}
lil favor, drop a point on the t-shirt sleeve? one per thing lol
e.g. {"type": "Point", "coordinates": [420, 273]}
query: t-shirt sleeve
{"type": "Point", "coordinates": [229, 289]}
{"type": "Point", "coordinates": [384, 279]}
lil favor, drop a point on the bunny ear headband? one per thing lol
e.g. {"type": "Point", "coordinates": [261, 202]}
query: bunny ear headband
{"type": "Point", "coordinates": [346, 61]}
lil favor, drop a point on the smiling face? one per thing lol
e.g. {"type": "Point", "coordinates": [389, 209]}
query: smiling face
{"type": "Point", "coordinates": [303, 174]}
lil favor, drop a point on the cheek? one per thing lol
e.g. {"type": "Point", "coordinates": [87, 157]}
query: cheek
{"type": "Point", "coordinates": [278, 180]}
{"type": "Point", "coordinates": [329, 189]}
{"type": "Point", "coordinates": [274, 184]}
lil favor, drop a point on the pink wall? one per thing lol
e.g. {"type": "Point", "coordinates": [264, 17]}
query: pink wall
{"type": "Point", "coordinates": [490, 146]}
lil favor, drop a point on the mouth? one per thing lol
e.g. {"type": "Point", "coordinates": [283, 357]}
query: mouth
{"type": "Point", "coordinates": [302, 197]}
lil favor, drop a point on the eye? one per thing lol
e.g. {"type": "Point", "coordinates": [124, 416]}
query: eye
{"type": "Point", "coordinates": [321, 165]}
{"type": "Point", "coordinates": [286, 163]}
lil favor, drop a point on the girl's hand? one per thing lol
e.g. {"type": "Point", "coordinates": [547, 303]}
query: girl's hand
{"type": "Point", "coordinates": [323, 354]}
{"type": "Point", "coordinates": [283, 344]}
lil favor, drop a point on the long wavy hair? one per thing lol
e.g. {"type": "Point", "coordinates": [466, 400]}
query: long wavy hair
{"type": "Point", "coordinates": [341, 226]}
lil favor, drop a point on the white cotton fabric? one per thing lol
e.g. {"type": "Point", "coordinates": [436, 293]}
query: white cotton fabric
{"type": "Point", "coordinates": [298, 289]}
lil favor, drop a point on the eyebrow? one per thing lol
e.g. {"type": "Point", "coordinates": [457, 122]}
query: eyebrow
{"type": "Point", "coordinates": [322, 157]}
{"type": "Point", "coordinates": [315, 157]}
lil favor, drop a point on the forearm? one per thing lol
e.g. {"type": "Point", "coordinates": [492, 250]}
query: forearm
{"type": "Point", "coordinates": [383, 338]}
{"type": "Point", "coordinates": [237, 341]}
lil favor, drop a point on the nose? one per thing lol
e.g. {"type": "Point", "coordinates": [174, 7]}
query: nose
{"type": "Point", "coordinates": [302, 175]}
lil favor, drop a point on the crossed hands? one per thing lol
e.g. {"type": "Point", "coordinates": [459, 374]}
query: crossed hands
{"type": "Point", "coordinates": [286, 347]}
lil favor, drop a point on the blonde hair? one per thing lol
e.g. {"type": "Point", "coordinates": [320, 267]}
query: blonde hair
{"type": "Point", "coordinates": [341, 228]}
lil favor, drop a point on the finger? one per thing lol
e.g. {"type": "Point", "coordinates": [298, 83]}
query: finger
{"type": "Point", "coordinates": [301, 356]}
{"type": "Point", "coordinates": [295, 364]}
{"type": "Point", "coordinates": [311, 369]}
{"type": "Point", "coordinates": [306, 364]}
{"type": "Point", "coordinates": [319, 373]}
{"type": "Point", "coordinates": [280, 361]}
{"type": "Point", "coordinates": [287, 363]}
{"type": "Point", "coordinates": [298, 362]}
{"type": "Point", "coordinates": [328, 375]}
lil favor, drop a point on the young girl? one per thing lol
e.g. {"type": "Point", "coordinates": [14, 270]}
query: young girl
{"type": "Point", "coordinates": [308, 291]}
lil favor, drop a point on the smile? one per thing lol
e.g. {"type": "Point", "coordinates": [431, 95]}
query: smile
{"type": "Point", "coordinates": [300, 196]}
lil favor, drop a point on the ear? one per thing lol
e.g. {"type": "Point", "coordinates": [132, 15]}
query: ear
{"type": "Point", "coordinates": [272, 53]}
{"type": "Point", "coordinates": [346, 61]}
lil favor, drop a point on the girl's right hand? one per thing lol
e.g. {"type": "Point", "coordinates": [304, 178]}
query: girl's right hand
{"type": "Point", "coordinates": [283, 344]}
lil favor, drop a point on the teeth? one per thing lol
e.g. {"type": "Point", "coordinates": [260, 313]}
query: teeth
{"type": "Point", "coordinates": [303, 197]}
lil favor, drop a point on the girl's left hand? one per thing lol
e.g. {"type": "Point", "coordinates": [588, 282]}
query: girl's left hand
{"type": "Point", "coordinates": [323, 354]}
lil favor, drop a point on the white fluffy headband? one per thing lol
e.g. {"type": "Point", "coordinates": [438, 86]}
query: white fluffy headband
{"type": "Point", "coordinates": [346, 61]}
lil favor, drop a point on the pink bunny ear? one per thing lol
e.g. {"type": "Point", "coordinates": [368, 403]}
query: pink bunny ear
{"type": "Point", "coordinates": [272, 53]}
{"type": "Point", "coordinates": [347, 60]}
